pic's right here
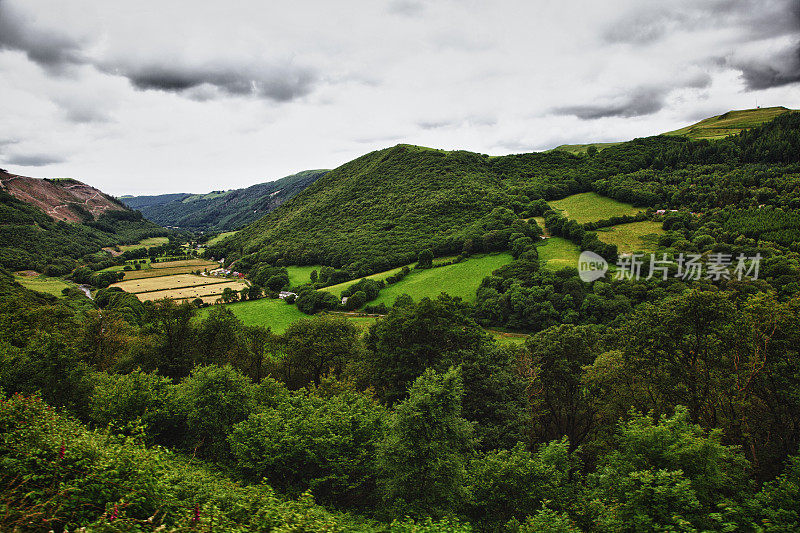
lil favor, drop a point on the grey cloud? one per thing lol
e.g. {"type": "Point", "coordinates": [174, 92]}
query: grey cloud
{"type": "Point", "coordinates": [56, 51]}
{"type": "Point", "coordinates": [638, 102]}
{"type": "Point", "coordinates": [49, 50]}
{"type": "Point", "coordinates": [779, 70]}
{"type": "Point", "coordinates": [643, 101]}
{"type": "Point", "coordinates": [34, 160]}
{"type": "Point", "coordinates": [281, 84]}
{"type": "Point", "coordinates": [754, 19]}
{"type": "Point", "coordinates": [435, 124]}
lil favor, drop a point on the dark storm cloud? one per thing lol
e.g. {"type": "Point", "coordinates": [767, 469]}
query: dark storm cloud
{"type": "Point", "coordinates": [776, 71]}
{"type": "Point", "coordinates": [281, 84]}
{"type": "Point", "coordinates": [51, 51]}
{"type": "Point", "coordinates": [638, 102]}
{"type": "Point", "coordinates": [34, 160]}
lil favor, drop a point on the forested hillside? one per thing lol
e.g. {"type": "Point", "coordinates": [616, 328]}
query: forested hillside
{"type": "Point", "coordinates": [30, 238]}
{"type": "Point", "coordinates": [221, 211]}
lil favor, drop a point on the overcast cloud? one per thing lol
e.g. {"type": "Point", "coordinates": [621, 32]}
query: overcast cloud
{"type": "Point", "coordinates": [189, 96]}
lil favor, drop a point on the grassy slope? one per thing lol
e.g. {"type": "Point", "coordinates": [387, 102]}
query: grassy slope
{"type": "Point", "coordinates": [337, 289]}
{"type": "Point", "coordinates": [729, 123]}
{"type": "Point", "coordinates": [44, 284]}
{"type": "Point", "coordinates": [274, 314]}
{"type": "Point", "coordinates": [299, 275]}
{"type": "Point", "coordinates": [578, 149]}
{"type": "Point", "coordinates": [633, 237]}
{"type": "Point", "coordinates": [558, 253]}
{"type": "Point", "coordinates": [144, 243]}
{"type": "Point", "coordinates": [221, 237]}
{"type": "Point", "coordinates": [460, 279]}
{"type": "Point", "coordinates": [591, 207]}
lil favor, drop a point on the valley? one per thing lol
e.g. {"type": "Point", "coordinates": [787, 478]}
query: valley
{"type": "Point", "coordinates": [419, 299]}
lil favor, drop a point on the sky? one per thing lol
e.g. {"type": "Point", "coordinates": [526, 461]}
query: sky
{"type": "Point", "coordinates": [158, 96]}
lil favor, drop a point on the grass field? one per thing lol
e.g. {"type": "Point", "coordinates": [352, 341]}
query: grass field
{"type": "Point", "coordinates": [558, 253]}
{"type": "Point", "coordinates": [299, 275]}
{"type": "Point", "coordinates": [729, 123]}
{"type": "Point", "coordinates": [337, 289]}
{"type": "Point", "coordinates": [460, 279]}
{"type": "Point", "coordinates": [274, 314]}
{"type": "Point", "coordinates": [160, 283]}
{"type": "Point", "coordinates": [579, 149]}
{"type": "Point", "coordinates": [144, 243]}
{"type": "Point", "coordinates": [219, 238]}
{"type": "Point", "coordinates": [591, 207]}
{"type": "Point", "coordinates": [632, 237]}
{"type": "Point", "coordinates": [44, 284]}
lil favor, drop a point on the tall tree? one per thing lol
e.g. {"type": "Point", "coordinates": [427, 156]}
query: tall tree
{"type": "Point", "coordinates": [422, 456]}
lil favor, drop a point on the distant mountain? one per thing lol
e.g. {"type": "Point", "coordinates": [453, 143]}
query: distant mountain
{"type": "Point", "coordinates": [55, 222]}
{"type": "Point", "coordinates": [221, 210]}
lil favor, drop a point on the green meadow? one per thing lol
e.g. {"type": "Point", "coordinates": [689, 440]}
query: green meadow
{"type": "Point", "coordinates": [298, 275]}
{"type": "Point", "coordinates": [44, 284]}
{"type": "Point", "coordinates": [219, 238]}
{"type": "Point", "coordinates": [558, 253]}
{"type": "Point", "coordinates": [591, 207]}
{"type": "Point", "coordinates": [633, 237]}
{"type": "Point", "coordinates": [459, 279]}
{"type": "Point", "coordinates": [266, 312]}
{"type": "Point", "coordinates": [338, 288]}
{"type": "Point", "coordinates": [144, 243]}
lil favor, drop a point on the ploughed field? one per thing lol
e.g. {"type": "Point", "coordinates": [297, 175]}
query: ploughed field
{"type": "Point", "coordinates": [174, 280]}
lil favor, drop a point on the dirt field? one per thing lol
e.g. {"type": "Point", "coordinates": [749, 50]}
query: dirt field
{"type": "Point", "coordinates": [202, 263]}
{"type": "Point", "coordinates": [161, 283]}
{"type": "Point", "coordinates": [160, 272]}
{"type": "Point", "coordinates": [208, 291]}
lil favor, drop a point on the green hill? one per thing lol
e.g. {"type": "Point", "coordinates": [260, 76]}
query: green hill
{"type": "Point", "coordinates": [381, 210]}
{"type": "Point", "coordinates": [386, 206]}
{"type": "Point", "coordinates": [730, 123]}
{"type": "Point", "coordinates": [221, 210]}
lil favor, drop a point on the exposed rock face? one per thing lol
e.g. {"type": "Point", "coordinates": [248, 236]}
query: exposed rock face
{"type": "Point", "coordinates": [62, 199]}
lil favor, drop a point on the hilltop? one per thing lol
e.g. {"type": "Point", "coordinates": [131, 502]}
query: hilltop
{"type": "Point", "coordinates": [712, 128]}
{"type": "Point", "coordinates": [221, 211]}
{"type": "Point", "coordinates": [55, 222]}
{"type": "Point", "coordinates": [730, 123]}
